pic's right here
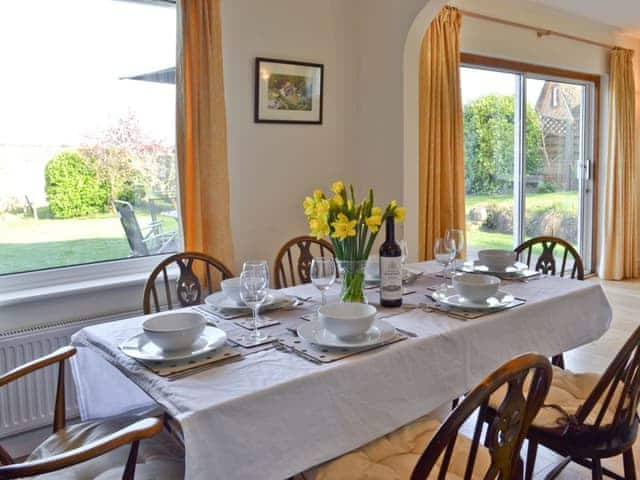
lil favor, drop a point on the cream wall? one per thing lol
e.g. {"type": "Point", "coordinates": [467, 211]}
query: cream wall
{"type": "Point", "coordinates": [272, 167]}
{"type": "Point", "coordinates": [501, 41]}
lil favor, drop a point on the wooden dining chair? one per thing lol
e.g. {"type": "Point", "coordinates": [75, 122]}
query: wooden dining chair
{"type": "Point", "coordinates": [547, 262]}
{"type": "Point", "coordinates": [589, 417]}
{"type": "Point", "coordinates": [95, 448]}
{"type": "Point", "coordinates": [293, 262]}
{"type": "Point", "coordinates": [189, 289]}
{"type": "Point", "coordinates": [427, 449]}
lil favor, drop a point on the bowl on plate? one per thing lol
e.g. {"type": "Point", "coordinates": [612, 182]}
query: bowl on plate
{"type": "Point", "coordinates": [476, 287]}
{"type": "Point", "coordinates": [497, 260]}
{"type": "Point", "coordinates": [174, 331]}
{"type": "Point", "coordinates": [346, 320]}
{"type": "Point", "coordinates": [231, 288]}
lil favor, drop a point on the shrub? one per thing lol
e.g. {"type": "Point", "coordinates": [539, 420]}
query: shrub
{"type": "Point", "coordinates": [546, 187]}
{"type": "Point", "coordinates": [73, 187]}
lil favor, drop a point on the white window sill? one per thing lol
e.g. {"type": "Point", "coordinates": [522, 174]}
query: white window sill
{"type": "Point", "coordinates": [74, 288]}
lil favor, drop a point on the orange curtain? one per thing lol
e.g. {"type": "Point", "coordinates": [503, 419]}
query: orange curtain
{"type": "Point", "coordinates": [619, 258]}
{"type": "Point", "coordinates": [202, 131]}
{"type": "Point", "coordinates": [441, 148]}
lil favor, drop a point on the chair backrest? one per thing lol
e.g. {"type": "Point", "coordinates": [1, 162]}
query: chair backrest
{"type": "Point", "coordinates": [131, 228]}
{"type": "Point", "coordinates": [507, 427]}
{"type": "Point", "coordinates": [618, 387]}
{"type": "Point", "coordinates": [189, 286]}
{"type": "Point", "coordinates": [546, 262]}
{"type": "Point", "coordinates": [293, 262]}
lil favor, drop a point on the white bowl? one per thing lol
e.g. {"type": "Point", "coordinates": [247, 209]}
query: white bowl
{"type": "Point", "coordinates": [497, 259]}
{"type": "Point", "coordinates": [476, 287]}
{"type": "Point", "coordinates": [231, 288]}
{"type": "Point", "coordinates": [174, 330]}
{"type": "Point", "coordinates": [347, 319]}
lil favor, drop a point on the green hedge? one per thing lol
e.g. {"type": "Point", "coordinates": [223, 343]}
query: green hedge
{"type": "Point", "coordinates": [73, 187]}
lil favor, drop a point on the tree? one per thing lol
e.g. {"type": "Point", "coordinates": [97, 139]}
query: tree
{"type": "Point", "coordinates": [489, 144]}
{"type": "Point", "coordinates": [132, 163]}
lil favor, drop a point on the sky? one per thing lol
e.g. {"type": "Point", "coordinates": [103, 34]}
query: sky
{"type": "Point", "coordinates": [478, 83]}
{"type": "Point", "coordinates": [61, 69]}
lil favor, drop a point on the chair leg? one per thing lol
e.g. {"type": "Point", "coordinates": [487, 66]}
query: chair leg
{"type": "Point", "coordinates": [130, 469]}
{"type": "Point", "coordinates": [532, 451]}
{"type": "Point", "coordinates": [629, 465]}
{"type": "Point", "coordinates": [558, 361]}
{"type": "Point", "coordinates": [596, 469]}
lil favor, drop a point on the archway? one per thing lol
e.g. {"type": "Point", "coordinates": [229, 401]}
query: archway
{"type": "Point", "coordinates": [410, 112]}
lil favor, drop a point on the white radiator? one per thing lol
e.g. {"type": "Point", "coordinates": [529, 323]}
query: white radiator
{"type": "Point", "coordinates": [28, 403]}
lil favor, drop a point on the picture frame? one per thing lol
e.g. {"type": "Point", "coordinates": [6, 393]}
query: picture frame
{"type": "Point", "coordinates": [287, 91]}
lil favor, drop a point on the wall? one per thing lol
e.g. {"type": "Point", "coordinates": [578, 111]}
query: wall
{"type": "Point", "coordinates": [272, 167]}
{"type": "Point", "coordinates": [501, 41]}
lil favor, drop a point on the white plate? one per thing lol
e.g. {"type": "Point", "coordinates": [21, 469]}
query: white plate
{"type": "Point", "coordinates": [500, 300]}
{"type": "Point", "coordinates": [379, 332]}
{"type": "Point", "coordinates": [517, 269]}
{"type": "Point", "coordinates": [141, 348]}
{"type": "Point", "coordinates": [220, 301]}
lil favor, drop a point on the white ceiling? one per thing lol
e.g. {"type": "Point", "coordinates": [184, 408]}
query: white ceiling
{"type": "Point", "coordinates": [624, 14]}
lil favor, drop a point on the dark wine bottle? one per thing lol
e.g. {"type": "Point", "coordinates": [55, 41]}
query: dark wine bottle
{"type": "Point", "coordinates": [390, 269]}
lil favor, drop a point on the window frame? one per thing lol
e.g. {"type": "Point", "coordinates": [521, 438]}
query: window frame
{"type": "Point", "coordinates": [67, 279]}
{"type": "Point", "coordinates": [592, 118]}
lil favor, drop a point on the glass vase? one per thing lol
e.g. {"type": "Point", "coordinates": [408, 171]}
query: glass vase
{"type": "Point", "coordinates": [352, 278]}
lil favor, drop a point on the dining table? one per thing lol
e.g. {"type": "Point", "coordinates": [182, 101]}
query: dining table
{"type": "Point", "coordinates": [271, 413]}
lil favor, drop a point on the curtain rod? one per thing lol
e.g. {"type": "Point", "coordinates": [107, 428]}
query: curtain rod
{"type": "Point", "coordinates": [541, 32]}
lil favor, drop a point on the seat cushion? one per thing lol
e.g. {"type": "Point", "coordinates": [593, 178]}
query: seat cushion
{"type": "Point", "coordinates": [159, 457]}
{"type": "Point", "coordinates": [394, 456]}
{"type": "Point", "coordinates": [568, 391]}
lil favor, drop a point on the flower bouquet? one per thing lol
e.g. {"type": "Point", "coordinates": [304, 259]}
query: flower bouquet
{"type": "Point", "coordinates": [352, 228]}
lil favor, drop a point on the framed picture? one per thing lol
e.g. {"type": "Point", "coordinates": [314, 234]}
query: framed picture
{"type": "Point", "coordinates": [288, 92]}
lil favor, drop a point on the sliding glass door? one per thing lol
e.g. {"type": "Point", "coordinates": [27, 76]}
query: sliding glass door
{"type": "Point", "coordinates": [528, 158]}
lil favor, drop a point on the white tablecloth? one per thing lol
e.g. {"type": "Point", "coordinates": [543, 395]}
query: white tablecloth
{"type": "Point", "coordinates": [274, 414]}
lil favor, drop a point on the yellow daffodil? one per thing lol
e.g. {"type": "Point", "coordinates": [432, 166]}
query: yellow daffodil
{"type": "Point", "coordinates": [400, 214]}
{"type": "Point", "coordinates": [376, 212]}
{"type": "Point", "coordinates": [322, 208]}
{"type": "Point", "coordinates": [318, 195]}
{"type": "Point", "coordinates": [337, 201]}
{"type": "Point", "coordinates": [343, 227]}
{"type": "Point", "coordinates": [309, 206]}
{"type": "Point", "coordinates": [374, 222]}
{"type": "Point", "coordinates": [393, 204]}
{"type": "Point", "coordinates": [319, 227]}
{"type": "Point", "coordinates": [337, 187]}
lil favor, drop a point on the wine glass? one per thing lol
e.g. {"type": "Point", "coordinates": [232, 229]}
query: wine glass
{"type": "Point", "coordinates": [253, 291]}
{"type": "Point", "coordinates": [323, 274]}
{"type": "Point", "coordinates": [444, 255]}
{"type": "Point", "coordinates": [404, 252]}
{"type": "Point", "coordinates": [259, 264]}
{"type": "Point", "coordinates": [455, 238]}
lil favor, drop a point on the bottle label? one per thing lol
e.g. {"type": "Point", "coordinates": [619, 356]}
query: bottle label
{"type": "Point", "coordinates": [390, 278]}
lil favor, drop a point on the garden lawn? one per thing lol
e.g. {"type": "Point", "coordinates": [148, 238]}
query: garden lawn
{"type": "Point", "coordinates": [27, 244]}
{"type": "Point", "coordinates": [479, 239]}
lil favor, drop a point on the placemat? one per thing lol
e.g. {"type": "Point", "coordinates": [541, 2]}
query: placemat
{"type": "Point", "coordinates": [468, 314]}
{"type": "Point", "coordinates": [244, 340]}
{"type": "Point", "coordinates": [173, 367]}
{"type": "Point", "coordinates": [320, 355]}
{"type": "Point", "coordinates": [262, 322]}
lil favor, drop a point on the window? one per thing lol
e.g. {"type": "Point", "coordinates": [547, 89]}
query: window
{"type": "Point", "coordinates": [529, 153]}
{"type": "Point", "coordinates": [87, 132]}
